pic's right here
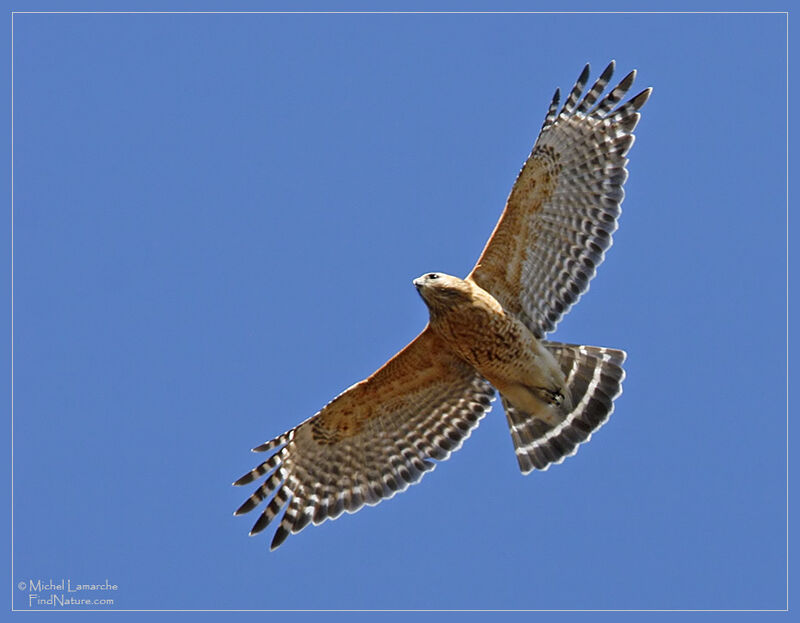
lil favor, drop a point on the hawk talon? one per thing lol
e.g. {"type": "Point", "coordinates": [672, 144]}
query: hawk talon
{"type": "Point", "coordinates": [550, 396]}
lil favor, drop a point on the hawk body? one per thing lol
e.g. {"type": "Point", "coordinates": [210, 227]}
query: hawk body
{"type": "Point", "coordinates": [495, 343]}
{"type": "Point", "coordinates": [486, 333]}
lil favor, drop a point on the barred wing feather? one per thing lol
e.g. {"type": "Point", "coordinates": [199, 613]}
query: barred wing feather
{"type": "Point", "coordinates": [373, 440]}
{"type": "Point", "coordinates": [564, 205]}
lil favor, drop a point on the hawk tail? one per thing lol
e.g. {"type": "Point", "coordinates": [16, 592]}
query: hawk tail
{"type": "Point", "coordinates": [593, 379]}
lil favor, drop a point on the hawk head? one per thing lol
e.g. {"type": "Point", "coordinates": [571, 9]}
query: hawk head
{"type": "Point", "coordinates": [442, 292]}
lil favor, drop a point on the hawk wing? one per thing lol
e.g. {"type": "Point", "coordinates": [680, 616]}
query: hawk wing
{"type": "Point", "coordinates": [371, 441]}
{"type": "Point", "coordinates": [564, 205]}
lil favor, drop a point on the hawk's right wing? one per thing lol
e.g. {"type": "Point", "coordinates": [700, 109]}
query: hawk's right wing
{"type": "Point", "coordinates": [371, 441]}
{"type": "Point", "coordinates": [563, 208]}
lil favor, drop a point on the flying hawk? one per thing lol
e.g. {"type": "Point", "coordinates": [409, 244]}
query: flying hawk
{"type": "Point", "coordinates": [486, 333]}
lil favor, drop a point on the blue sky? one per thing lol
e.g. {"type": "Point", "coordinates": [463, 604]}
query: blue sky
{"type": "Point", "coordinates": [216, 223]}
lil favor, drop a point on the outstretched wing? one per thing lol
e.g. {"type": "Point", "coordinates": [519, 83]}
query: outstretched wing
{"type": "Point", "coordinates": [563, 208]}
{"type": "Point", "coordinates": [371, 441]}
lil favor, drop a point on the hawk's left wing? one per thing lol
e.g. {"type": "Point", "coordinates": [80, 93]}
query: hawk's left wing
{"type": "Point", "coordinates": [563, 208]}
{"type": "Point", "coordinates": [371, 441]}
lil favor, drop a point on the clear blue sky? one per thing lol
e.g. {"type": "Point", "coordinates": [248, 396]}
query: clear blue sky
{"type": "Point", "coordinates": [216, 223]}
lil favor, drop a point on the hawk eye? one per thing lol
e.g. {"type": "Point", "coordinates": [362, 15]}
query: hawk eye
{"type": "Point", "coordinates": [433, 276]}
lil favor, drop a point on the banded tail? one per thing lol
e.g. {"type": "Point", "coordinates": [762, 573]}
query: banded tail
{"type": "Point", "coordinates": [594, 379]}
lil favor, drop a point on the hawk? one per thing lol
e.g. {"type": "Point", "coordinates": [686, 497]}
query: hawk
{"type": "Point", "coordinates": [486, 333]}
